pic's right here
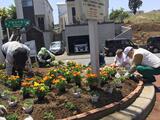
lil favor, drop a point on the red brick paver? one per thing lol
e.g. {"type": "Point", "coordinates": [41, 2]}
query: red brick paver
{"type": "Point", "coordinates": [155, 113]}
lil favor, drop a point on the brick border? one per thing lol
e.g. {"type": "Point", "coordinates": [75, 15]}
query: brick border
{"type": "Point", "coordinates": [108, 109]}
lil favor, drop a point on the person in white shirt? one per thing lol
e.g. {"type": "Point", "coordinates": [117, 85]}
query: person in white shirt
{"type": "Point", "coordinates": [121, 60]}
{"type": "Point", "coordinates": [16, 55]}
{"type": "Point", "coordinates": [144, 62]}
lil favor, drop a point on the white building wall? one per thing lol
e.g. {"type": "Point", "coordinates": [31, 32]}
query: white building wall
{"type": "Point", "coordinates": [19, 9]}
{"type": "Point", "coordinates": [48, 16]}
{"type": "Point", "coordinates": [69, 11]}
{"type": "Point", "coordinates": [44, 9]}
{"type": "Point", "coordinates": [106, 10]}
{"type": "Point", "coordinates": [105, 31]}
{"type": "Point", "coordinates": [48, 37]}
{"type": "Point", "coordinates": [39, 7]}
{"type": "Point", "coordinates": [63, 16]}
{"type": "Point", "coordinates": [79, 13]}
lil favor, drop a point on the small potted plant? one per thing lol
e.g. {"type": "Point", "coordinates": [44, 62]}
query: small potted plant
{"type": "Point", "coordinates": [77, 92]}
{"type": "Point", "coordinates": [59, 84]}
{"type": "Point", "coordinates": [47, 80]}
{"type": "Point", "coordinates": [14, 82]}
{"type": "Point", "coordinates": [12, 101]}
{"type": "Point", "coordinates": [40, 90]}
{"type": "Point", "coordinates": [28, 106]}
{"type": "Point", "coordinates": [77, 78]}
{"type": "Point", "coordinates": [94, 96]}
{"type": "Point", "coordinates": [13, 116]}
{"type": "Point", "coordinates": [5, 94]}
{"type": "Point", "coordinates": [26, 88]}
{"type": "Point", "coordinates": [92, 80]}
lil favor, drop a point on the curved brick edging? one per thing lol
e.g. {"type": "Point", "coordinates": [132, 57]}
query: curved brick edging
{"type": "Point", "coordinates": [108, 109]}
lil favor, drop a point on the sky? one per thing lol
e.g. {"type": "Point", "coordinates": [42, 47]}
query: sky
{"type": "Point", "coordinates": [148, 5]}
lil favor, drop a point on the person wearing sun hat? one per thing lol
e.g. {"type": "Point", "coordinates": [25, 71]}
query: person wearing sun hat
{"type": "Point", "coordinates": [144, 62]}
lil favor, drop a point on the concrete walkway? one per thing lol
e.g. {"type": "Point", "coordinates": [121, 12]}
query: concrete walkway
{"type": "Point", "coordinates": [139, 109]}
{"type": "Point", "coordinates": [155, 113]}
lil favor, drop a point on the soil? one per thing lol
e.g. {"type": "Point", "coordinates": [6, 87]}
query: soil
{"type": "Point", "coordinates": [142, 31]}
{"type": "Point", "coordinates": [56, 103]}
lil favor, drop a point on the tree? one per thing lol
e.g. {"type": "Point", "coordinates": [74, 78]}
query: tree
{"type": "Point", "coordinates": [12, 12]}
{"type": "Point", "coordinates": [7, 13]}
{"type": "Point", "coordinates": [118, 15]}
{"type": "Point", "coordinates": [134, 5]}
{"type": "Point", "coordinates": [3, 15]}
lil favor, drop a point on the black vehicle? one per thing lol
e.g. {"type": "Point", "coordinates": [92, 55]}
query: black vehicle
{"type": "Point", "coordinates": [153, 44]}
{"type": "Point", "coordinates": [113, 44]}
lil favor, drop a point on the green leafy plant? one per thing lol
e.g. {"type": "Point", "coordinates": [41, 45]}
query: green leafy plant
{"type": "Point", "coordinates": [28, 103]}
{"type": "Point", "coordinates": [40, 90]}
{"type": "Point", "coordinates": [6, 94]}
{"type": "Point", "coordinates": [49, 115]}
{"type": "Point", "coordinates": [13, 116]}
{"type": "Point", "coordinates": [3, 77]}
{"type": "Point", "coordinates": [14, 82]}
{"type": "Point", "coordinates": [59, 83]}
{"type": "Point", "coordinates": [77, 78]}
{"type": "Point", "coordinates": [13, 98]}
{"type": "Point", "coordinates": [70, 106]}
{"type": "Point", "coordinates": [2, 66]}
{"type": "Point", "coordinates": [95, 93]}
{"type": "Point", "coordinates": [91, 78]}
{"type": "Point", "coordinates": [60, 62]}
{"type": "Point", "coordinates": [118, 15]}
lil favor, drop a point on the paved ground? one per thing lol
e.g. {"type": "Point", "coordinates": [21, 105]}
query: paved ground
{"type": "Point", "coordinates": [155, 113]}
{"type": "Point", "coordinates": [84, 59]}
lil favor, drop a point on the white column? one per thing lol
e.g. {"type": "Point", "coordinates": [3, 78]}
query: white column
{"type": "Point", "coordinates": [1, 38]}
{"type": "Point", "coordinates": [94, 45]}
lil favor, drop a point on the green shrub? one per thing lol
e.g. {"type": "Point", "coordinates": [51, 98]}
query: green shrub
{"type": "Point", "coordinates": [49, 115]}
{"type": "Point", "coordinates": [70, 106]}
{"type": "Point", "coordinates": [13, 116]}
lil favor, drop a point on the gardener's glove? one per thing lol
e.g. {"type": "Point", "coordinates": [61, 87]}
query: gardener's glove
{"type": "Point", "coordinates": [3, 110]}
{"type": "Point", "coordinates": [49, 60]}
{"type": "Point", "coordinates": [126, 74]}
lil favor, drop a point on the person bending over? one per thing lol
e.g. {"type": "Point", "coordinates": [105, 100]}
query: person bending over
{"type": "Point", "coordinates": [16, 55]}
{"type": "Point", "coordinates": [144, 62]}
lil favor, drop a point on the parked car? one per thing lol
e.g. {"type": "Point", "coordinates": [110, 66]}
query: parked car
{"type": "Point", "coordinates": [57, 48]}
{"type": "Point", "coordinates": [153, 44]}
{"type": "Point", "coordinates": [113, 44]}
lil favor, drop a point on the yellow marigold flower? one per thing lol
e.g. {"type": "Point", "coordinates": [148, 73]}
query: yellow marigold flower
{"type": "Point", "coordinates": [36, 84]}
{"type": "Point", "coordinates": [42, 81]}
{"type": "Point", "coordinates": [42, 88]}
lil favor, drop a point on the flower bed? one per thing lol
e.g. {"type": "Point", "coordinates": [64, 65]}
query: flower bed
{"type": "Point", "coordinates": [66, 90]}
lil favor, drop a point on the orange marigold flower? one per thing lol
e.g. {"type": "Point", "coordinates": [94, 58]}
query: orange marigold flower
{"type": "Point", "coordinates": [45, 78]}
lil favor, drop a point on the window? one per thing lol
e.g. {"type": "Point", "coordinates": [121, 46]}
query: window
{"type": "Point", "coordinates": [74, 14]}
{"type": "Point", "coordinates": [41, 23]}
{"type": "Point", "coordinates": [27, 3]}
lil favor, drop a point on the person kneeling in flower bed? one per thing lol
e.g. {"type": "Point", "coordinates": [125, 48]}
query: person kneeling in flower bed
{"type": "Point", "coordinates": [45, 57]}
